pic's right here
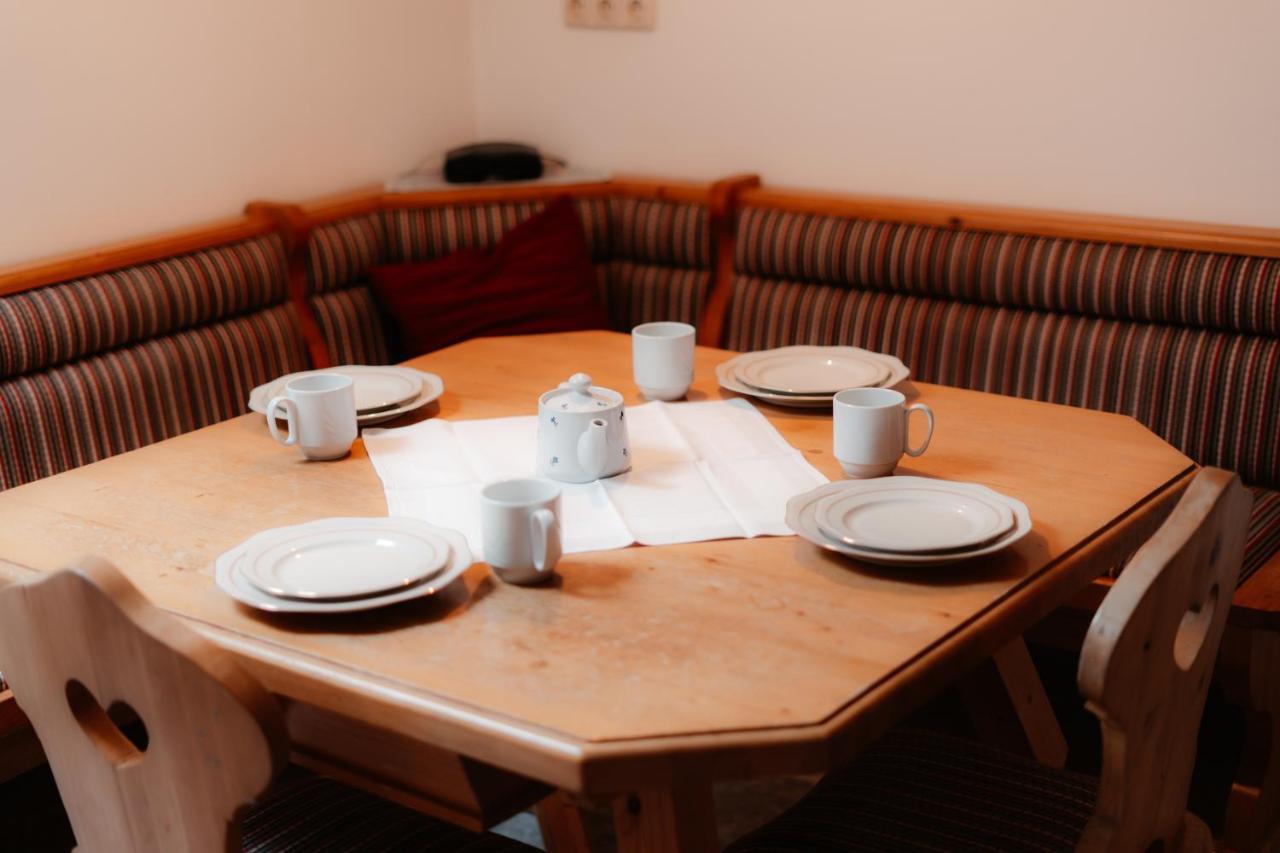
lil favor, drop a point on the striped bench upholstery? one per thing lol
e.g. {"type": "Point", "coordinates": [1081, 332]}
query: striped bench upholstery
{"type": "Point", "coordinates": [97, 366]}
{"type": "Point", "coordinates": [659, 263]}
{"type": "Point", "coordinates": [1188, 343]}
{"type": "Point", "coordinates": [652, 259]}
{"type": "Point", "coordinates": [339, 257]}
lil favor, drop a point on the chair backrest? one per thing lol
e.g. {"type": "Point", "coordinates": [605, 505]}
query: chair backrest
{"type": "Point", "coordinates": [1148, 657]}
{"type": "Point", "coordinates": [83, 642]}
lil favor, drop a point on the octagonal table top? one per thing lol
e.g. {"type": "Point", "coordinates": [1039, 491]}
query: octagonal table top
{"type": "Point", "coordinates": [638, 660]}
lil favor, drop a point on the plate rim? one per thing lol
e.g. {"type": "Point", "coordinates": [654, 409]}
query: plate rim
{"type": "Point", "coordinates": [856, 354]}
{"type": "Point", "coordinates": [286, 536]}
{"type": "Point", "coordinates": [461, 559]}
{"type": "Point", "coordinates": [899, 373]}
{"type": "Point", "coordinates": [797, 503]}
{"type": "Point", "coordinates": [432, 389]}
{"type": "Point", "coordinates": [1004, 514]}
{"type": "Point", "coordinates": [411, 376]}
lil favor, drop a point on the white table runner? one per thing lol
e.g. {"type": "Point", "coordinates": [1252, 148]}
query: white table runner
{"type": "Point", "coordinates": [710, 470]}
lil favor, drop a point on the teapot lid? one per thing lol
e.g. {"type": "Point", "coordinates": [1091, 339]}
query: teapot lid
{"type": "Point", "coordinates": [579, 395]}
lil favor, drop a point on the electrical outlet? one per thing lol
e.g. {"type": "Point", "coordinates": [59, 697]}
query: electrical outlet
{"type": "Point", "coordinates": [611, 14]}
{"type": "Point", "coordinates": [579, 13]}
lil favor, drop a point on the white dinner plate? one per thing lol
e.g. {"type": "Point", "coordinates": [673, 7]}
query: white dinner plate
{"type": "Point", "coordinates": [898, 373]}
{"type": "Point", "coordinates": [430, 388]}
{"type": "Point", "coordinates": [911, 515]}
{"type": "Point", "coordinates": [376, 386]}
{"type": "Point", "coordinates": [343, 558]}
{"type": "Point", "coordinates": [228, 577]}
{"type": "Point", "coordinates": [801, 517]}
{"type": "Point", "coordinates": [810, 371]}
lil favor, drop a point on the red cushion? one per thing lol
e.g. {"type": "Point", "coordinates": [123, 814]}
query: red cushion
{"type": "Point", "coordinates": [538, 278]}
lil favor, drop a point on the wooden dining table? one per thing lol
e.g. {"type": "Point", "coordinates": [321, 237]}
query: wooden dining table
{"type": "Point", "coordinates": [641, 675]}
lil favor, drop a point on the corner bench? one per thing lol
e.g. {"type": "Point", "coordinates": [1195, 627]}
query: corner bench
{"type": "Point", "coordinates": [1174, 324]}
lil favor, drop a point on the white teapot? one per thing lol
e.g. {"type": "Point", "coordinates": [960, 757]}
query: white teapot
{"type": "Point", "coordinates": [582, 432]}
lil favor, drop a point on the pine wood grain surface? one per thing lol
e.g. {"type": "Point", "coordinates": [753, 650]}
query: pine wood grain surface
{"type": "Point", "coordinates": [739, 656]}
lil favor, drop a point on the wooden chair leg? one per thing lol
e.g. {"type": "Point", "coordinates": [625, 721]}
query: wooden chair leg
{"type": "Point", "coordinates": [680, 819]}
{"type": "Point", "coordinates": [1250, 659]}
{"type": "Point", "coordinates": [561, 823]}
{"type": "Point", "coordinates": [1008, 706]}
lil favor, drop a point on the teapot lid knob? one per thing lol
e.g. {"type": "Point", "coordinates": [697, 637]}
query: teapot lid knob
{"type": "Point", "coordinates": [580, 382]}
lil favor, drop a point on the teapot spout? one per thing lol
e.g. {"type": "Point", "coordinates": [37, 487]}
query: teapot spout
{"type": "Point", "coordinates": [593, 449]}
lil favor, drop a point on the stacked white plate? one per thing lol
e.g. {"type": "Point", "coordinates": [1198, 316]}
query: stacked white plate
{"type": "Point", "coordinates": [340, 565]}
{"type": "Point", "coordinates": [808, 376]}
{"type": "Point", "coordinates": [383, 392]}
{"type": "Point", "coordinates": [908, 521]}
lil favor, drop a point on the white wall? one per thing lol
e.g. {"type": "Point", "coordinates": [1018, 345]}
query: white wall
{"type": "Point", "coordinates": [123, 118]}
{"type": "Point", "coordinates": [1167, 108]}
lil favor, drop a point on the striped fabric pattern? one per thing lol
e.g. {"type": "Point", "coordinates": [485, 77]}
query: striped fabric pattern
{"type": "Point", "coordinates": [421, 233]}
{"type": "Point", "coordinates": [1210, 290]}
{"type": "Point", "coordinates": [342, 252]}
{"type": "Point", "coordinates": [1207, 290]}
{"type": "Point", "coordinates": [653, 258]}
{"type": "Point", "coordinates": [352, 327]}
{"type": "Point", "coordinates": [52, 325]}
{"type": "Point", "coordinates": [1213, 395]}
{"type": "Point", "coordinates": [311, 814]}
{"type": "Point", "coordinates": [660, 232]}
{"type": "Point", "coordinates": [1263, 543]}
{"type": "Point", "coordinates": [923, 791]}
{"type": "Point", "coordinates": [635, 293]}
{"type": "Point", "coordinates": [99, 406]}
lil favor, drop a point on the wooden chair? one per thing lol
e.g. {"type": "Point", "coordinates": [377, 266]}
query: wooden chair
{"type": "Point", "coordinates": [1144, 672]}
{"type": "Point", "coordinates": [82, 648]}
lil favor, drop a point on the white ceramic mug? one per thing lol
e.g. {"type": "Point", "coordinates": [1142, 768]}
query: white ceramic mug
{"type": "Point", "coordinates": [520, 526]}
{"type": "Point", "coordinates": [321, 411]}
{"type": "Point", "coordinates": [870, 428]}
{"type": "Point", "coordinates": [662, 359]}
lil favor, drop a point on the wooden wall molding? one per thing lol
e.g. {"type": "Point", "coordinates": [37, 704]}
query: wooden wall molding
{"type": "Point", "coordinates": [368, 199]}
{"type": "Point", "coordinates": [72, 265]}
{"type": "Point", "coordinates": [1167, 233]}
{"type": "Point", "coordinates": [723, 198]}
{"type": "Point", "coordinates": [292, 223]}
{"type": "Point", "coordinates": [263, 217]}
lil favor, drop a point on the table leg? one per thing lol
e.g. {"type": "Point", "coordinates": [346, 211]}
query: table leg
{"type": "Point", "coordinates": [561, 823]}
{"type": "Point", "coordinates": [679, 819]}
{"type": "Point", "coordinates": [1007, 703]}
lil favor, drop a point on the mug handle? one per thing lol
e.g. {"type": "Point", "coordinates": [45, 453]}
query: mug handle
{"type": "Point", "coordinates": [906, 429]}
{"type": "Point", "coordinates": [290, 410]}
{"type": "Point", "coordinates": [546, 539]}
